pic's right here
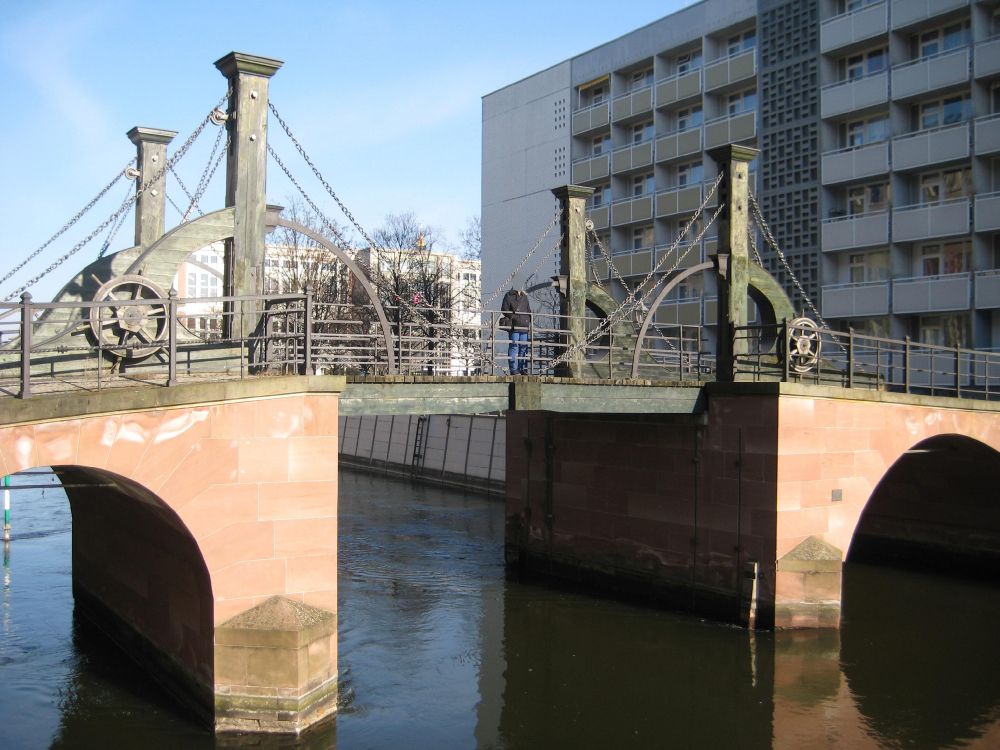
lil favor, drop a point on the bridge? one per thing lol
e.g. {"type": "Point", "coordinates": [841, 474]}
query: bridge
{"type": "Point", "coordinates": [202, 469]}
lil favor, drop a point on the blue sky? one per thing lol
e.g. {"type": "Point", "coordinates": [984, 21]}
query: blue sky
{"type": "Point", "coordinates": [385, 97]}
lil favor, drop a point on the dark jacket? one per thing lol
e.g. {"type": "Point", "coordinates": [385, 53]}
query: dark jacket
{"type": "Point", "coordinates": [516, 311]}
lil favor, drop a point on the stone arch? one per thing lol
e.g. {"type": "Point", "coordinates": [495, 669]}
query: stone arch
{"type": "Point", "coordinates": [936, 505]}
{"type": "Point", "coordinates": [245, 478]}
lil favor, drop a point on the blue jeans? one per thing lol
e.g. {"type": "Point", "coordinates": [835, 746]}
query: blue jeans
{"type": "Point", "coordinates": [517, 352]}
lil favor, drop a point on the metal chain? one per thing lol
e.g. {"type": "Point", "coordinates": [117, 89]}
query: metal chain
{"type": "Point", "coordinates": [173, 203]}
{"type": "Point", "coordinates": [177, 156]}
{"type": "Point", "coordinates": [537, 267]}
{"type": "Point", "coordinates": [206, 176]}
{"type": "Point", "coordinates": [519, 266]}
{"type": "Point", "coordinates": [629, 306]}
{"type": "Point", "coordinates": [762, 224]}
{"type": "Point", "coordinates": [69, 223]}
{"type": "Point", "coordinates": [117, 226]}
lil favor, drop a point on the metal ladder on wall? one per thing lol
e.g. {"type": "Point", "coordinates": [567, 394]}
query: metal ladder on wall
{"type": "Point", "coordinates": [418, 445]}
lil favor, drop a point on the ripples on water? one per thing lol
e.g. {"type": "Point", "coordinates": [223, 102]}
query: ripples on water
{"type": "Point", "coordinates": [437, 650]}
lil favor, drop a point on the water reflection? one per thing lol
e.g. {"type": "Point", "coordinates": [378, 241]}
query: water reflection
{"type": "Point", "coordinates": [437, 649]}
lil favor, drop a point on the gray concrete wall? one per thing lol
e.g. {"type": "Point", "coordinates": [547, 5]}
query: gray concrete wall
{"type": "Point", "coordinates": [459, 450]}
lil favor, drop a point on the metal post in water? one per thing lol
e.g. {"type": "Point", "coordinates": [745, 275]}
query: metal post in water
{"type": "Point", "coordinates": [6, 509]}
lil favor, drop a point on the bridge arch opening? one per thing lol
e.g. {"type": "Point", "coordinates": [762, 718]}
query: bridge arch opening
{"type": "Point", "coordinates": [138, 578]}
{"type": "Point", "coordinates": [937, 508]}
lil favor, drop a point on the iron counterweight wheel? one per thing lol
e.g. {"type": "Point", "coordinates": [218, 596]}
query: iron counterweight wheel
{"type": "Point", "coordinates": [135, 327]}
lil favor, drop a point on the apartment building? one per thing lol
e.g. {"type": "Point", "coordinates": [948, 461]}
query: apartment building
{"type": "Point", "coordinates": [878, 123]}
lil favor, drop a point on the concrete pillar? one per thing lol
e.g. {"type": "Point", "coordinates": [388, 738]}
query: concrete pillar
{"type": "Point", "coordinates": [733, 259]}
{"type": "Point", "coordinates": [246, 172]}
{"type": "Point", "coordinates": [573, 269]}
{"type": "Point", "coordinates": [150, 207]}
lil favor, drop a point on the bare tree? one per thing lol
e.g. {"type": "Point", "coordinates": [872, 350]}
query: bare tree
{"type": "Point", "coordinates": [472, 239]}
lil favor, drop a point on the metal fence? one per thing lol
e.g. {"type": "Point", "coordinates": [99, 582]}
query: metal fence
{"type": "Point", "coordinates": [804, 353]}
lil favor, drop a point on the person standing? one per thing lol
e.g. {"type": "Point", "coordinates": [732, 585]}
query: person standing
{"type": "Point", "coordinates": [516, 319]}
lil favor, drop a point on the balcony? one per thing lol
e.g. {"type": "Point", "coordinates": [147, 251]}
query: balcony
{"type": "Point", "coordinates": [631, 210]}
{"type": "Point", "coordinates": [860, 93]}
{"type": "Point", "coordinates": [591, 118]}
{"type": "Point", "coordinates": [987, 289]}
{"type": "Point", "coordinates": [681, 312]}
{"type": "Point", "coordinates": [632, 157]}
{"type": "Point", "coordinates": [681, 200]}
{"type": "Point", "coordinates": [591, 168]}
{"type": "Point", "coordinates": [678, 145]}
{"type": "Point", "coordinates": [923, 294]}
{"type": "Point", "coordinates": [849, 232]}
{"type": "Point", "coordinates": [685, 255]}
{"type": "Point", "coordinates": [855, 163]}
{"type": "Point", "coordinates": [988, 212]}
{"type": "Point", "coordinates": [850, 28]}
{"type": "Point", "coordinates": [631, 104]}
{"type": "Point", "coordinates": [601, 216]}
{"type": "Point", "coordinates": [634, 263]}
{"type": "Point", "coordinates": [987, 58]}
{"type": "Point", "coordinates": [723, 130]}
{"type": "Point", "coordinates": [730, 70]}
{"type": "Point", "coordinates": [678, 88]}
{"type": "Point", "coordinates": [864, 300]}
{"type": "Point", "coordinates": [928, 74]}
{"type": "Point", "coordinates": [934, 146]}
{"type": "Point", "coordinates": [987, 135]}
{"type": "Point", "coordinates": [909, 12]}
{"type": "Point", "coordinates": [923, 222]}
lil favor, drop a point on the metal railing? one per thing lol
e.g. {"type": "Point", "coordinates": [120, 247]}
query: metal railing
{"type": "Point", "coordinates": [802, 353]}
{"type": "Point", "coordinates": [58, 347]}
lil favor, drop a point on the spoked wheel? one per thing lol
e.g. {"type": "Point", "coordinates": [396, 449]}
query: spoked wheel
{"type": "Point", "coordinates": [136, 326]}
{"type": "Point", "coordinates": [805, 345]}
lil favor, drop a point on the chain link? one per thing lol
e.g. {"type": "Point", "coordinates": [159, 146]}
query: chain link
{"type": "Point", "coordinates": [503, 284]}
{"type": "Point", "coordinates": [68, 224]}
{"type": "Point", "coordinates": [177, 156]}
{"type": "Point", "coordinates": [116, 227]}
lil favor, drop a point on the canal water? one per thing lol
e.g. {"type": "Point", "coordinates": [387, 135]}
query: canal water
{"type": "Point", "coordinates": [438, 650]}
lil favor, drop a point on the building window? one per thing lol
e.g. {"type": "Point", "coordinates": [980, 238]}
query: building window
{"type": "Point", "coordinates": [690, 174]}
{"type": "Point", "coordinates": [601, 145]}
{"type": "Point", "coordinates": [864, 64]}
{"type": "Point", "coordinates": [937, 41]}
{"type": "Point", "coordinates": [642, 79]}
{"type": "Point", "coordinates": [864, 267]}
{"type": "Point", "coordinates": [642, 132]}
{"type": "Point", "coordinates": [594, 94]}
{"type": "Point", "coordinates": [742, 101]}
{"type": "Point", "coordinates": [950, 257]}
{"type": "Point", "coordinates": [863, 199]}
{"type": "Point", "coordinates": [859, 132]}
{"type": "Point", "coordinates": [601, 196]}
{"type": "Point", "coordinates": [688, 62]}
{"type": "Point", "coordinates": [741, 42]}
{"type": "Point", "coordinates": [852, 6]}
{"type": "Point", "coordinates": [642, 237]}
{"type": "Point", "coordinates": [643, 184]}
{"type": "Point", "coordinates": [948, 111]}
{"type": "Point", "coordinates": [946, 185]}
{"type": "Point", "coordinates": [689, 118]}
{"type": "Point", "coordinates": [944, 330]}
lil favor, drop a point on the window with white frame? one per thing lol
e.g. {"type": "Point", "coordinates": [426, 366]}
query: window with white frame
{"type": "Point", "coordinates": [944, 330]}
{"type": "Point", "coordinates": [688, 118]}
{"type": "Point", "coordinates": [688, 61]}
{"type": "Point", "coordinates": [945, 185]}
{"type": "Point", "coordinates": [642, 237]}
{"type": "Point", "coordinates": [863, 199]}
{"type": "Point", "coordinates": [873, 266]}
{"type": "Point", "coordinates": [937, 41]}
{"type": "Point", "coordinates": [593, 94]}
{"type": "Point", "coordinates": [742, 101]}
{"type": "Point", "coordinates": [642, 132]}
{"type": "Point", "coordinates": [864, 64]}
{"type": "Point", "coordinates": [642, 79]}
{"type": "Point", "coordinates": [868, 130]}
{"type": "Point", "coordinates": [741, 42]}
{"type": "Point", "coordinates": [601, 196]}
{"type": "Point", "coordinates": [691, 173]}
{"type": "Point", "coordinates": [601, 145]}
{"type": "Point", "coordinates": [940, 258]}
{"type": "Point", "coordinates": [643, 184]}
{"type": "Point", "coordinates": [947, 111]}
